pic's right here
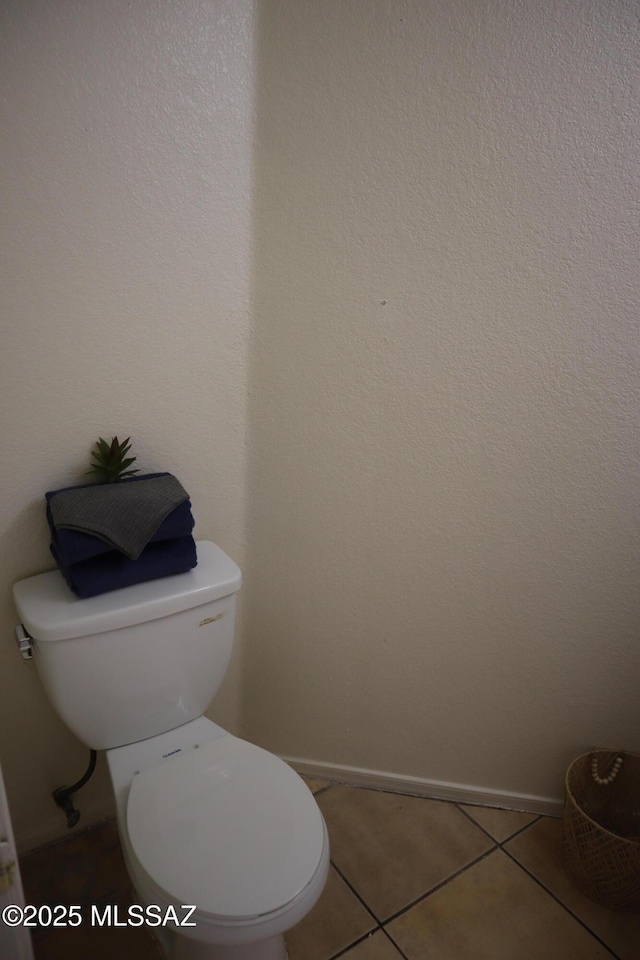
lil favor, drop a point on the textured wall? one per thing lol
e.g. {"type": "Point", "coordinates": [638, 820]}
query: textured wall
{"type": "Point", "coordinates": [125, 165]}
{"type": "Point", "coordinates": [443, 500]}
{"type": "Point", "coordinates": [444, 402]}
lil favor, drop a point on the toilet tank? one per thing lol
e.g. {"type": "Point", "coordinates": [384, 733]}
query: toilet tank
{"type": "Point", "coordinates": [136, 662]}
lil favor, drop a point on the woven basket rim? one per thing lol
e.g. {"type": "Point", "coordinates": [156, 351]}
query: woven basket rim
{"type": "Point", "coordinates": [629, 753]}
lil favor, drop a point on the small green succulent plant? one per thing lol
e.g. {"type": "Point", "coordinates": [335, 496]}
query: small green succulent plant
{"type": "Point", "coordinates": [110, 461]}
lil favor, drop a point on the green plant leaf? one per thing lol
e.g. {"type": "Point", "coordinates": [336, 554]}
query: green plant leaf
{"type": "Point", "coordinates": [110, 460]}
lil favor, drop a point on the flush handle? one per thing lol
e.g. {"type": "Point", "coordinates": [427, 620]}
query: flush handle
{"type": "Point", "coordinates": [23, 641]}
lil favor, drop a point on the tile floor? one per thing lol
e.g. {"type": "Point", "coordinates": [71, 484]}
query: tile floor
{"type": "Point", "coordinates": [410, 878]}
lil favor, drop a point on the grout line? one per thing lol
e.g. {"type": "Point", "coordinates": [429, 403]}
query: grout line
{"type": "Point", "coordinates": [391, 940]}
{"type": "Point", "coordinates": [394, 792]}
{"type": "Point", "coordinates": [355, 892]}
{"type": "Point", "coordinates": [341, 953]}
{"type": "Point", "coordinates": [558, 901]}
{"type": "Point", "coordinates": [444, 883]}
{"type": "Point", "coordinates": [470, 818]}
{"type": "Point", "coordinates": [521, 830]}
{"type": "Point", "coordinates": [500, 843]}
{"type": "Point", "coordinates": [324, 789]}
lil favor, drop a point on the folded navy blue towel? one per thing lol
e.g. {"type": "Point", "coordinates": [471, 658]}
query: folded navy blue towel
{"type": "Point", "coordinates": [113, 570]}
{"type": "Point", "coordinates": [74, 546]}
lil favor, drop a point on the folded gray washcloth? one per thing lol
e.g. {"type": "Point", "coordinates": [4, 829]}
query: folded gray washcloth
{"type": "Point", "coordinates": [125, 515]}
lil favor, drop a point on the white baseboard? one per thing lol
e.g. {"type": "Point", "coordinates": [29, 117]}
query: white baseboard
{"type": "Point", "coordinates": [56, 828]}
{"type": "Point", "coordinates": [422, 787]}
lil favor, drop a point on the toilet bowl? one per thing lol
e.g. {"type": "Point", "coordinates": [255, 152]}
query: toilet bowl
{"type": "Point", "coordinates": [207, 821]}
{"type": "Point", "coordinates": [211, 821]}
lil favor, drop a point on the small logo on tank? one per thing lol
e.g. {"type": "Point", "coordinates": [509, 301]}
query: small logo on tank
{"type": "Point", "coordinates": [171, 753]}
{"type": "Point", "coordinates": [210, 620]}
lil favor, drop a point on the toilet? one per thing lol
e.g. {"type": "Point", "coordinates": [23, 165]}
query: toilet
{"type": "Point", "coordinates": [207, 820]}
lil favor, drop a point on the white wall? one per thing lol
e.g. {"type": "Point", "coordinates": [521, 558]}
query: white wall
{"type": "Point", "coordinates": [444, 500]}
{"type": "Point", "coordinates": [438, 518]}
{"type": "Point", "coordinates": [125, 165]}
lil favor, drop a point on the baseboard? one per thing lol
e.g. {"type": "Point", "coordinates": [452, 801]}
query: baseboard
{"type": "Point", "coordinates": [55, 828]}
{"type": "Point", "coordinates": [422, 787]}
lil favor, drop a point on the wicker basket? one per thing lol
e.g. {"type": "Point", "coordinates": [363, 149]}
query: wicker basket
{"type": "Point", "coordinates": [601, 828]}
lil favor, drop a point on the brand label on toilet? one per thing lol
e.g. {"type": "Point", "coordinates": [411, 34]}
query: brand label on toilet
{"type": "Point", "coordinates": [210, 619]}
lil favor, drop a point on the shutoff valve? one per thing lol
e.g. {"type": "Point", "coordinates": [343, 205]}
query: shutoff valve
{"type": "Point", "coordinates": [23, 641]}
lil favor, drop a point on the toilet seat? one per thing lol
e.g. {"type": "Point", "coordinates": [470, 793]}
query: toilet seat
{"type": "Point", "coordinates": [227, 827]}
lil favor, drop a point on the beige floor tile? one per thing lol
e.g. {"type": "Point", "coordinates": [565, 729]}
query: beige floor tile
{"type": "Point", "coordinates": [500, 824]}
{"type": "Point", "coordinates": [315, 785]}
{"type": "Point", "coordinates": [376, 947]}
{"type": "Point", "coordinates": [337, 920]}
{"type": "Point", "coordinates": [493, 911]}
{"type": "Point", "coordinates": [538, 849]}
{"type": "Point", "coordinates": [79, 869]}
{"type": "Point", "coordinates": [393, 848]}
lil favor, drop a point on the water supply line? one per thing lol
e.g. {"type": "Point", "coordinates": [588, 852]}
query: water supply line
{"type": "Point", "coordinates": [62, 796]}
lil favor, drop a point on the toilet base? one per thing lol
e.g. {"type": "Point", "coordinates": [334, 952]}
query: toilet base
{"type": "Point", "coordinates": [183, 948]}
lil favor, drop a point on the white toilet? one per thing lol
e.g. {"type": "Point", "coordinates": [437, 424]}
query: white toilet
{"type": "Point", "coordinates": [205, 819]}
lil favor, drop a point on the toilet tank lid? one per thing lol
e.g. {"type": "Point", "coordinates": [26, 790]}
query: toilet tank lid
{"type": "Point", "coordinates": [50, 611]}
